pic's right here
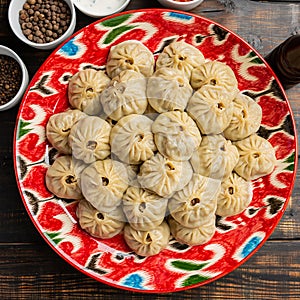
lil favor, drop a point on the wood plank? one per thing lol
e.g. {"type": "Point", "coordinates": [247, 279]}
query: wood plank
{"type": "Point", "coordinates": [36, 272]}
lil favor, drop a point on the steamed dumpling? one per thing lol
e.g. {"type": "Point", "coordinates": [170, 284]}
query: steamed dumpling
{"type": "Point", "coordinates": [235, 196]}
{"type": "Point", "coordinates": [144, 210]}
{"type": "Point", "coordinates": [164, 176]}
{"type": "Point", "coordinates": [84, 90]}
{"type": "Point", "coordinates": [100, 224]}
{"type": "Point", "coordinates": [130, 55]}
{"type": "Point", "coordinates": [147, 243]}
{"type": "Point", "coordinates": [59, 126]}
{"type": "Point", "coordinates": [212, 108]}
{"type": "Point", "coordinates": [132, 140]}
{"type": "Point", "coordinates": [168, 90]}
{"type": "Point", "coordinates": [246, 119]}
{"type": "Point", "coordinates": [89, 139]}
{"type": "Point", "coordinates": [63, 177]}
{"type": "Point", "coordinates": [215, 73]}
{"type": "Point", "coordinates": [103, 184]}
{"type": "Point", "coordinates": [256, 157]}
{"type": "Point", "coordinates": [125, 95]}
{"type": "Point", "coordinates": [181, 56]}
{"type": "Point", "coordinates": [176, 135]}
{"type": "Point", "coordinates": [193, 236]}
{"type": "Point", "coordinates": [196, 203]}
{"type": "Point", "coordinates": [215, 157]}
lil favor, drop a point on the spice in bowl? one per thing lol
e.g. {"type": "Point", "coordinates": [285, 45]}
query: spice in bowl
{"type": "Point", "coordinates": [10, 78]}
{"type": "Point", "coordinates": [43, 21]}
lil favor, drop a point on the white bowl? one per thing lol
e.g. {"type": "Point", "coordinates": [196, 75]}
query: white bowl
{"type": "Point", "coordinates": [13, 17]}
{"type": "Point", "coordinates": [180, 5]}
{"type": "Point", "coordinates": [25, 78]}
{"type": "Point", "coordinates": [100, 8]}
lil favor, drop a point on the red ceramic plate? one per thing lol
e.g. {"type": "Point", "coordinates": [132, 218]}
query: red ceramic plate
{"type": "Point", "coordinates": [110, 261]}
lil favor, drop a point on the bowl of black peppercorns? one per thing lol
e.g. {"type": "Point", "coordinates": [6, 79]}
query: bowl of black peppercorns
{"type": "Point", "coordinates": [13, 78]}
{"type": "Point", "coordinates": [42, 24]}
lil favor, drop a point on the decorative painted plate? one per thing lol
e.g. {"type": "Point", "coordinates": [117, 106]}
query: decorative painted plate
{"type": "Point", "coordinates": [179, 266]}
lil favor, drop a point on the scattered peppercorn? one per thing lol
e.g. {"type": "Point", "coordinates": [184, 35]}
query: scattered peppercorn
{"type": "Point", "coordinates": [10, 78]}
{"type": "Point", "coordinates": [43, 21]}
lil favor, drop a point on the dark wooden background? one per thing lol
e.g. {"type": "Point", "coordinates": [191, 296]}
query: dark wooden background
{"type": "Point", "coordinates": [30, 269]}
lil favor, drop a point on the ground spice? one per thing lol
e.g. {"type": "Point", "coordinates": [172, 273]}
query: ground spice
{"type": "Point", "coordinates": [43, 21]}
{"type": "Point", "coordinates": [10, 78]}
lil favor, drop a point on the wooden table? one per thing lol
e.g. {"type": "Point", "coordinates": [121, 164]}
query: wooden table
{"type": "Point", "coordinates": [29, 268]}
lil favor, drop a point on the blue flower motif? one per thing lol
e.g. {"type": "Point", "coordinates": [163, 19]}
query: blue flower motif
{"type": "Point", "coordinates": [135, 281]}
{"type": "Point", "coordinates": [180, 16]}
{"type": "Point", "coordinates": [250, 246]}
{"type": "Point", "coordinates": [70, 49]}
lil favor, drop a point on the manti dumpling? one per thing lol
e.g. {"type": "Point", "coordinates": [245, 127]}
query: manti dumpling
{"type": "Point", "coordinates": [144, 210]}
{"type": "Point", "coordinates": [84, 90]}
{"type": "Point", "coordinates": [215, 73]}
{"type": "Point", "coordinates": [164, 176]}
{"type": "Point", "coordinates": [215, 157]}
{"type": "Point", "coordinates": [168, 90]}
{"type": "Point", "coordinates": [193, 236]}
{"type": "Point", "coordinates": [63, 177]}
{"type": "Point", "coordinates": [100, 224]}
{"type": "Point", "coordinates": [103, 184]}
{"type": "Point", "coordinates": [196, 203]}
{"type": "Point", "coordinates": [176, 135]}
{"type": "Point", "coordinates": [256, 157]}
{"type": "Point", "coordinates": [59, 126]}
{"type": "Point", "coordinates": [235, 196]}
{"type": "Point", "coordinates": [132, 140]}
{"type": "Point", "coordinates": [181, 56]}
{"type": "Point", "coordinates": [89, 139]}
{"type": "Point", "coordinates": [149, 242]}
{"type": "Point", "coordinates": [212, 109]}
{"type": "Point", "coordinates": [125, 95]}
{"type": "Point", "coordinates": [246, 118]}
{"type": "Point", "coordinates": [130, 55]}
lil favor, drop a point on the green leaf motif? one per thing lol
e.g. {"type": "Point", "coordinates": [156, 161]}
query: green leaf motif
{"type": "Point", "coordinates": [54, 237]}
{"type": "Point", "coordinates": [290, 160]}
{"type": "Point", "coordinates": [116, 21]}
{"type": "Point", "coordinates": [194, 279]}
{"type": "Point", "coordinates": [256, 59]}
{"type": "Point", "coordinates": [187, 266]}
{"type": "Point", "coordinates": [22, 128]}
{"type": "Point", "coordinates": [116, 32]}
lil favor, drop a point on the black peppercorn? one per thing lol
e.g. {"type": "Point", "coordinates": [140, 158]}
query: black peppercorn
{"type": "Point", "coordinates": [10, 78]}
{"type": "Point", "coordinates": [39, 16]}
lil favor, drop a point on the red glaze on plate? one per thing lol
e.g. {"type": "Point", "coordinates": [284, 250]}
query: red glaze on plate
{"type": "Point", "coordinates": [178, 267]}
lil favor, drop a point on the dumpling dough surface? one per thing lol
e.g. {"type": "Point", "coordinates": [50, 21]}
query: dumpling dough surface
{"type": "Point", "coordinates": [130, 55]}
{"type": "Point", "coordinates": [256, 157]}
{"type": "Point", "coordinates": [164, 176]}
{"type": "Point", "coordinates": [144, 210]}
{"type": "Point", "coordinates": [89, 139]}
{"type": "Point", "coordinates": [215, 157]}
{"type": "Point", "coordinates": [168, 90]}
{"type": "Point", "coordinates": [235, 196]}
{"type": "Point", "coordinates": [196, 203]}
{"type": "Point", "coordinates": [84, 90]}
{"type": "Point", "coordinates": [103, 184]}
{"type": "Point", "coordinates": [246, 118]}
{"type": "Point", "coordinates": [125, 95]}
{"type": "Point", "coordinates": [176, 135]}
{"type": "Point", "coordinates": [59, 126]}
{"type": "Point", "coordinates": [63, 177]}
{"type": "Point", "coordinates": [181, 56]}
{"type": "Point", "coordinates": [192, 236]}
{"type": "Point", "coordinates": [100, 224]}
{"type": "Point", "coordinates": [132, 139]}
{"type": "Point", "coordinates": [147, 243]}
{"type": "Point", "coordinates": [215, 73]}
{"type": "Point", "coordinates": [212, 108]}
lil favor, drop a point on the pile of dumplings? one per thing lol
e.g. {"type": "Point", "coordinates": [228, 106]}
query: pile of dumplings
{"type": "Point", "coordinates": [155, 148]}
